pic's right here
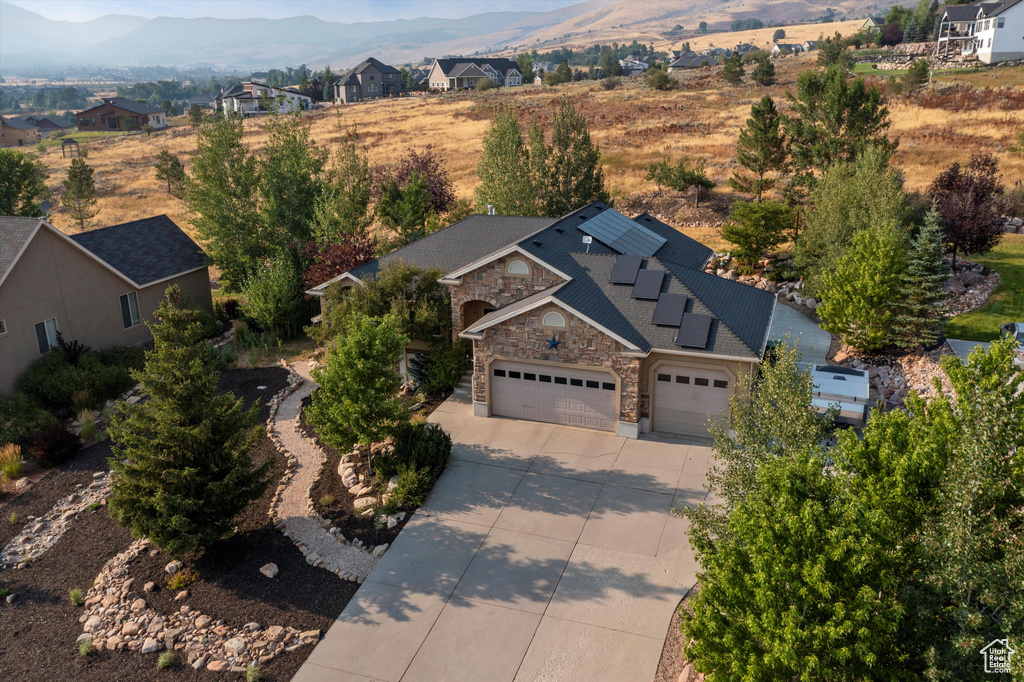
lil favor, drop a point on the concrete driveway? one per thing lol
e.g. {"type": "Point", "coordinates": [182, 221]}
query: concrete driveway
{"type": "Point", "coordinates": [544, 552]}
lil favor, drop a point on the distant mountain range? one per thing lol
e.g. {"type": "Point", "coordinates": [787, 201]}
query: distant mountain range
{"type": "Point", "coordinates": [31, 41]}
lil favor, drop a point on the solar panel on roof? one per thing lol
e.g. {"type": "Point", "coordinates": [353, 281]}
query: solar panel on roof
{"type": "Point", "coordinates": [648, 284]}
{"type": "Point", "coordinates": [620, 233]}
{"type": "Point", "coordinates": [669, 312]}
{"type": "Point", "coordinates": [693, 331]}
{"type": "Point", "coordinates": [625, 270]}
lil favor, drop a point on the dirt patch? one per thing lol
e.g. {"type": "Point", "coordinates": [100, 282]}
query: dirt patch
{"type": "Point", "coordinates": [672, 659]}
{"type": "Point", "coordinates": [677, 209]}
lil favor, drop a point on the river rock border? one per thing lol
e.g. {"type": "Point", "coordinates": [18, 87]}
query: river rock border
{"type": "Point", "coordinates": [117, 618]}
{"type": "Point", "coordinates": [41, 533]}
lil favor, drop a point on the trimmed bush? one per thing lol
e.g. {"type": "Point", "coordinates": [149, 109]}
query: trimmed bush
{"type": "Point", "coordinates": [418, 457]}
{"type": "Point", "coordinates": [21, 419]}
{"type": "Point", "coordinates": [55, 445]}
{"type": "Point", "coordinates": [446, 365]}
{"type": "Point", "coordinates": [412, 487]}
{"type": "Point", "coordinates": [52, 381]}
{"type": "Point", "coordinates": [126, 357]}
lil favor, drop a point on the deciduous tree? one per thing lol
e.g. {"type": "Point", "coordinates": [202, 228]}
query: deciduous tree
{"type": "Point", "coordinates": [182, 460]}
{"type": "Point", "coordinates": [504, 168]}
{"type": "Point", "coordinates": [762, 149]}
{"type": "Point", "coordinates": [80, 192]}
{"type": "Point", "coordinates": [22, 184]}
{"type": "Point", "coordinates": [273, 294]}
{"type": "Point", "coordinates": [331, 258]}
{"type": "Point", "coordinates": [291, 178]}
{"type": "Point", "coordinates": [525, 63]}
{"type": "Point", "coordinates": [343, 204]}
{"type": "Point", "coordinates": [965, 197]}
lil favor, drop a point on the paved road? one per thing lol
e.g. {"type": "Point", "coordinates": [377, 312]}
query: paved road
{"type": "Point", "coordinates": [812, 339]}
{"type": "Point", "coordinates": [544, 552]}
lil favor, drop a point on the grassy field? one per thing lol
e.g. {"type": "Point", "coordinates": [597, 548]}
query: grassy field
{"type": "Point", "coordinates": [1006, 303]}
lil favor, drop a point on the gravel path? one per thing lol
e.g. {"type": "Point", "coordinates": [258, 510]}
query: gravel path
{"type": "Point", "coordinates": [293, 506]}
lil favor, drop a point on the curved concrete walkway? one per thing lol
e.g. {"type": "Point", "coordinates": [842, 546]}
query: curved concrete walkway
{"type": "Point", "coordinates": [293, 506]}
{"type": "Point", "coordinates": [812, 340]}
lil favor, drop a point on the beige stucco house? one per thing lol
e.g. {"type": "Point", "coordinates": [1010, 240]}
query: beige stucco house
{"type": "Point", "coordinates": [593, 319]}
{"type": "Point", "coordinates": [97, 287]}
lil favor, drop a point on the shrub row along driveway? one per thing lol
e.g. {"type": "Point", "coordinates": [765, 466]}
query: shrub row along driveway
{"type": "Point", "coordinates": [543, 551]}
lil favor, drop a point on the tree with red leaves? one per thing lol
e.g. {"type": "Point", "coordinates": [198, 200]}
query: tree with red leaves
{"type": "Point", "coordinates": [334, 258]}
{"type": "Point", "coordinates": [426, 164]}
{"type": "Point", "coordinates": [965, 198]}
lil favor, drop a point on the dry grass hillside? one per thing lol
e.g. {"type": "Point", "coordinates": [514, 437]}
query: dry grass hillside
{"type": "Point", "coordinates": [633, 125]}
{"type": "Point", "coordinates": [762, 37]}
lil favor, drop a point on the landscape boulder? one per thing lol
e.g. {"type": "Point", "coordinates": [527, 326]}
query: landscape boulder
{"type": "Point", "coordinates": [270, 570]}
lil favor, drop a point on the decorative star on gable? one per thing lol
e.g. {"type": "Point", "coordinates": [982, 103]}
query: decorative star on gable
{"type": "Point", "coordinates": [553, 342]}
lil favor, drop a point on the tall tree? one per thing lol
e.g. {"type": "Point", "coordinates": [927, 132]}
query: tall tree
{"type": "Point", "coordinates": [405, 209]}
{"type": "Point", "coordinates": [755, 228]}
{"type": "Point", "coordinates": [358, 400]}
{"type": "Point", "coordinates": [918, 306]}
{"type": "Point", "coordinates": [732, 72]}
{"type": "Point", "coordinates": [965, 197]}
{"type": "Point", "coordinates": [222, 195]}
{"type": "Point", "coordinates": [196, 116]}
{"type": "Point", "coordinates": [182, 464]}
{"type": "Point", "coordinates": [525, 63]}
{"type": "Point", "coordinates": [331, 258]}
{"type": "Point", "coordinates": [574, 162]}
{"type": "Point", "coordinates": [273, 294]}
{"type": "Point", "coordinates": [504, 168]}
{"type": "Point", "coordinates": [834, 120]}
{"type": "Point", "coordinates": [563, 73]}
{"type": "Point", "coordinates": [291, 175]}
{"type": "Point", "coordinates": [170, 170]}
{"type": "Point", "coordinates": [343, 204]}
{"type": "Point", "coordinates": [833, 52]}
{"type": "Point", "coordinates": [764, 70]}
{"type": "Point", "coordinates": [22, 184]}
{"type": "Point", "coordinates": [762, 149]}
{"type": "Point", "coordinates": [328, 79]}
{"type": "Point", "coordinates": [80, 192]}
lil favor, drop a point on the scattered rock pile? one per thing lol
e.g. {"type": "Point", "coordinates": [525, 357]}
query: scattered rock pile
{"type": "Point", "coordinates": [117, 618]}
{"type": "Point", "coordinates": [893, 377]}
{"type": "Point", "coordinates": [41, 533]}
{"type": "Point", "coordinates": [969, 288]}
{"type": "Point", "coordinates": [1013, 225]}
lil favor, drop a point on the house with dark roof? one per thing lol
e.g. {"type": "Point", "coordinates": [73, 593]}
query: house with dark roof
{"type": "Point", "coordinates": [372, 79]}
{"type": "Point", "coordinates": [991, 30]}
{"type": "Point", "coordinates": [97, 287]}
{"type": "Point", "coordinates": [252, 99]}
{"type": "Point", "coordinates": [453, 73]}
{"type": "Point", "coordinates": [115, 112]}
{"type": "Point", "coordinates": [872, 25]}
{"type": "Point", "coordinates": [47, 123]}
{"type": "Point", "coordinates": [594, 319]}
{"type": "Point", "coordinates": [17, 133]}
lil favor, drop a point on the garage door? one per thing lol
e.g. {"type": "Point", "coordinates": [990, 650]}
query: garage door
{"type": "Point", "coordinates": [684, 398]}
{"type": "Point", "coordinates": [542, 393]}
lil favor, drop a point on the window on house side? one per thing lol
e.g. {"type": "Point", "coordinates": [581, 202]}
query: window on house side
{"type": "Point", "coordinates": [553, 319]}
{"type": "Point", "coordinates": [130, 310]}
{"type": "Point", "coordinates": [46, 335]}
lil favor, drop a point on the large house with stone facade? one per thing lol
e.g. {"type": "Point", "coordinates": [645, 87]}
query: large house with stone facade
{"type": "Point", "coordinates": [592, 319]}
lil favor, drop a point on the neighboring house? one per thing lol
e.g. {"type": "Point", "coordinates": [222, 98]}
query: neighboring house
{"type": "Point", "coordinates": [48, 123]}
{"type": "Point", "coordinates": [96, 287]}
{"type": "Point", "coordinates": [872, 24]}
{"type": "Point", "coordinates": [694, 62]}
{"type": "Point", "coordinates": [252, 98]}
{"type": "Point", "coordinates": [203, 102]}
{"type": "Point", "coordinates": [17, 133]}
{"type": "Point", "coordinates": [810, 45]}
{"type": "Point", "coordinates": [544, 66]}
{"type": "Point", "coordinates": [111, 115]}
{"type": "Point", "coordinates": [786, 48]}
{"type": "Point", "coordinates": [716, 52]}
{"type": "Point", "coordinates": [452, 73]}
{"type": "Point", "coordinates": [992, 31]}
{"type": "Point", "coordinates": [626, 333]}
{"type": "Point", "coordinates": [744, 48]}
{"type": "Point", "coordinates": [372, 79]}
{"type": "Point", "coordinates": [632, 68]}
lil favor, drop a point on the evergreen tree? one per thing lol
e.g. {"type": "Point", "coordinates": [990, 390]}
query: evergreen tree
{"type": "Point", "coordinates": [732, 72]}
{"type": "Point", "coordinates": [358, 400]}
{"type": "Point", "coordinates": [170, 170]}
{"type": "Point", "coordinates": [222, 195]}
{"type": "Point", "coordinates": [80, 192]}
{"type": "Point", "coordinates": [563, 74]}
{"type": "Point", "coordinates": [504, 168]}
{"type": "Point", "coordinates": [196, 116]}
{"type": "Point", "coordinates": [757, 228]}
{"type": "Point", "coordinates": [181, 468]}
{"type": "Point", "coordinates": [575, 177]}
{"type": "Point", "coordinates": [22, 184]}
{"type": "Point", "coordinates": [917, 318]}
{"type": "Point", "coordinates": [328, 79]}
{"type": "Point", "coordinates": [762, 149]}
{"type": "Point", "coordinates": [764, 71]}
{"type": "Point", "coordinates": [833, 52]}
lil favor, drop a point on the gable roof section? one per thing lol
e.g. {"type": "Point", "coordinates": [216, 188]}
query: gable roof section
{"type": "Point", "coordinates": [467, 70]}
{"type": "Point", "coordinates": [15, 234]}
{"type": "Point", "coordinates": [19, 125]}
{"type": "Point", "coordinates": [144, 251]}
{"type": "Point", "coordinates": [995, 8]}
{"type": "Point", "coordinates": [499, 64]}
{"type": "Point", "coordinates": [132, 105]}
{"type": "Point", "coordinates": [961, 12]}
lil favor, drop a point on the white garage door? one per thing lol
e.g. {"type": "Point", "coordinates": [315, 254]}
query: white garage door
{"type": "Point", "coordinates": [684, 398]}
{"type": "Point", "coordinates": [543, 393]}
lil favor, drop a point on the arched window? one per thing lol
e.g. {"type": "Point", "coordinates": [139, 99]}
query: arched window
{"type": "Point", "coordinates": [518, 267]}
{"type": "Point", "coordinates": [553, 319]}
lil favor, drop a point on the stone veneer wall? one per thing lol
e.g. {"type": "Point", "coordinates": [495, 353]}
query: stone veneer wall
{"type": "Point", "coordinates": [523, 338]}
{"type": "Point", "coordinates": [492, 284]}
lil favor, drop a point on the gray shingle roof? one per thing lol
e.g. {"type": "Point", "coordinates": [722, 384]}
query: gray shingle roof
{"type": "Point", "coordinates": [999, 8]}
{"type": "Point", "coordinates": [144, 251]}
{"type": "Point", "coordinates": [961, 12]}
{"type": "Point", "coordinates": [499, 64]}
{"type": "Point", "coordinates": [14, 234]}
{"type": "Point", "coordinates": [19, 124]}
{"type": "Point", "coordinates": [132, 106]}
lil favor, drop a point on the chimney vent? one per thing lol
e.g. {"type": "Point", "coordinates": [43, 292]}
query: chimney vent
{"type": "Point", "coordinates": [490, 209]}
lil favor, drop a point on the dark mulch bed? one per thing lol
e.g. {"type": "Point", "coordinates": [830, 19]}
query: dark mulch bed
{"type": "Point", "coordinates": [38, 632]}
{"type": "Point", "coordinates": [342, 512]}
{"type": "Point", "coordinates": [672, 659]}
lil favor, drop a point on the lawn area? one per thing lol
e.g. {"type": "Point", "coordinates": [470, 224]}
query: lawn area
{"type": "Point", "coordinates": [866, 70]}
{"type": "Point", "coordinates": [1006, 303]}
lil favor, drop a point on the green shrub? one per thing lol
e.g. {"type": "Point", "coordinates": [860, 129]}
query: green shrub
{"type": "Point", "coordinates": [94, 506]}
{"type": "Point", "coordinates": [87, 420]}
{"type": "Point", "coordinates": [13, 518]}
{"type": "Point", "coordinates": [21, 419]}
{"type": "Point", "coordinates": [484, 84]}
{"type": "Point", "coordinates": [417, 446]}
{"type": "Point", "coordinates": [181, 579]}
{"type": "Point", "coordinates": [212, 327]}
{"type": "Point", "coordinates": [126, 357]}
{"type": "Point", "coordinates": [85, 648]}
{"type": "Point", "coordinates": [10, 461]}
{"type": "Point", "coordinates": [412, 487]}
{"type": "Point", "coordinates": [252, 673]}
{"type": "Point", "coordinates": [75, 595]}
{"type": "Point", "coordinates": [610, 83]}
{"type": "Point", "coordinates": [55, 445]}
{"type": "Point", "coordinates": [326, 500]}
{"type": "Point", "coordinates": [446, 365]}
{"type": "Point", "coordinates": [785, 272]}
{"type": "Point", "coordinates": [52, 381]}
{"type": "Point", "coordinates": [166, 660]}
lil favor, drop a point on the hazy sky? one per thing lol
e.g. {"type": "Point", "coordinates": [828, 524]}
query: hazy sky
{"type": "Point", "coordinates": [331, 10]}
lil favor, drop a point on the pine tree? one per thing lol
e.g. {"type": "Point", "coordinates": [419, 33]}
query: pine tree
{"type": "Point", "coordinates": [80, 192]}
{"type": "Point", "coordinates": [196, 116]}
{"type": "Point", "coordinates": [504, 168]}
{"type": "Point", "coordinates": [732, 72]}
{"type": "Point", "coordinates": [764, 72]}
{"type": "Point", "coordinates": [917, 317]}
{"type": "Point", "coordinates": [762, 149]}
{"type": "Point", "coordinates": [575, 178]}
{"type": "Point", "coordinates": [170, 170]}
{"type": "Point", "coordinates": [182, 467]}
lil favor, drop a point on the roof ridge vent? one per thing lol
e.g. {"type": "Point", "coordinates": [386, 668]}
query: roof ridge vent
{"type": "Point", "coordinates": [537, 242]}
